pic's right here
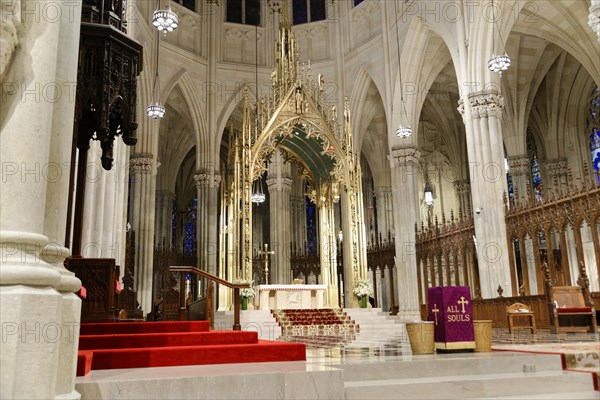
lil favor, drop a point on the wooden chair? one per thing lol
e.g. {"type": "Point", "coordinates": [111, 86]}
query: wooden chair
{"type": "Point", "coordinates": [520, 311]}
{"type": "Point", "coordinates": [569, 311]}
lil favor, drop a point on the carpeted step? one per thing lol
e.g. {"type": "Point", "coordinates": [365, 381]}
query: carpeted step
{"type": "Point", "coordinates": [263, 351]}
{"type": "Point", "coordinates": [113, 328]}
{"type": "Point", "coordinates": [173, 339]}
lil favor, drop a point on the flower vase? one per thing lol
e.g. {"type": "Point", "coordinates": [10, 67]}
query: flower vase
{"type": "Point", "coordinates": [364, 301]}
{"type": "Point", "coordinates": [244, 303]}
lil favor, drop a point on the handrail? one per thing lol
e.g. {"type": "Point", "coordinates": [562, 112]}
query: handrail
{"type": "Point", "coordinates": [235, 286]}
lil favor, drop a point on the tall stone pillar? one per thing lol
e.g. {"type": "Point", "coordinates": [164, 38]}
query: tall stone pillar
{"type": "Point", "coordinates": [520, 170]}
{"type": "Point", "coordinates": [163, 231]}
{"type": "Point", "coordinates": [385, 216]}
{"type": "Point", "coordinates": [207, 185]}
{"type": "Point", "coordinates": [462, 189]}
{"type": "Point", "coordinates": [142, 168]}
{"type": "Point", "coordinates": [39, 313]}
{"type": "Point", "coordinates": [488, 184]}
{"type": "Point", "coordinates": [280, 185]}
{"type": "Point", "coordinates": [103, 225]}
{"type": "Point", "coordinates": [405, 175]}
{"type": "Point", "coordinates": [557, 174]}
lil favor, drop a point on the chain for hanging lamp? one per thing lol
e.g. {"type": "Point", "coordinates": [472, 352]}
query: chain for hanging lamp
{"type": "Point", "coordinates": [402, 131]}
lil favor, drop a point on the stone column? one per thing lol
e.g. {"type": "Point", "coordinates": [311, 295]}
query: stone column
{"type": "Point", "coordinates": [520, 170]}
{"type": "Point", "coordinates": [143, 187]}
{"type": "Point", "coordinates": [280, 185]}
{"type": "Point", "coordinates": [557, 174]}
{"type": "Point", "coordinates": [103, 225]}
{"type": "Point", "coordinates": [462, 188]}
{"type": "Point", "coordinates": [594, 17]}
{"type": "Point", "coordinates": [207, 185]}
{"type": "Point", "coordinates": [39, 314]}
{"type": "Point", "coordinates": [163, 231]}
{"type": "Point", "coordinates": [385, 216]}
{"type": "Point", "coordinates": [405, 175]}
{"type": "Point", "coordinates": [486, 160]}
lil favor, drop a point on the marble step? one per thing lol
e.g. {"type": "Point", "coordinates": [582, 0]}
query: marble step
{"type": "Point", "coordinates": [471, 386]}
{"type": "Point", "coordinates": [439, 365]}
{"type": "Point", "coordinates": [590, 394]}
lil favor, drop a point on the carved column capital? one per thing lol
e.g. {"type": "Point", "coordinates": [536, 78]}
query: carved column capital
{"type": "Point", "coordinates": [274, 181]}
{"type": "Point", "coordinates": [141, 163]}
{"type": "Point", "coordinates": [202, 179]}
{"type": "Point", "coordinates": [519, 165]}
{"type": "Point", "coordinates": [207, 178]}
{"type": "Point", "coordinates": [556, 167]}
{"type": "Point", "coordinates": [462, 186]}
{"type": "Point", "coordinates": [485, 104]}
{"type": "Point", "coordinates": [382, 191]}
{"type": "Point", "coordinates": [404, 156]}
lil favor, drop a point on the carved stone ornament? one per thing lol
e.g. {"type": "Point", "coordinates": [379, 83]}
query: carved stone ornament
{"type": "Point", "coordinates": [556, 167]}
{"type": "Point", "coordinates": [9, 39]}
{"type": "Point", "coordinates": [202, 179]}
{"type": "Point", "coordinates": [141, 164]}
{"type": "Point", "coordinates": [403, 156]}
{"type": "Point", "coordinates": [486, 104]}
{"type": "Point", "coordinates": [519, 165]}
{"type": "Point", "coordinates": [462, 187]}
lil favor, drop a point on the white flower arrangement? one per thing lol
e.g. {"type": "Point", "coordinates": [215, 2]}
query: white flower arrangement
{"type": "Point", "coordinates": [247, 292]}
{"type": "Point", "coordinates": [363, 287]}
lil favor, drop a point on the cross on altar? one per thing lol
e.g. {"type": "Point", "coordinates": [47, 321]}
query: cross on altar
{"type": "Point", "coordinates": [462, 302]}
{"type": "Point", "coordinates": [266, 261]}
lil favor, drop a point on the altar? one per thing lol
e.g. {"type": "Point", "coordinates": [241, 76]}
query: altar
{"type": "Point", "coordinates": [273, 297]}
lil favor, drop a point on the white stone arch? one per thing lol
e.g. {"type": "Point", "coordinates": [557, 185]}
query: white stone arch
{"type": "Point", "coordinates": [182, 80]}
{"type": "Point", "coordinates": [420, 73]}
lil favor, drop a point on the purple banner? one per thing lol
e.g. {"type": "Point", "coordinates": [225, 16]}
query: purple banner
{"type": "Point", "coordinates": [451, 311]}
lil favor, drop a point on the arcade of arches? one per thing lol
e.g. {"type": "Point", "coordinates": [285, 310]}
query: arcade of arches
{"type": "Point", "coordinates": [510, 161]}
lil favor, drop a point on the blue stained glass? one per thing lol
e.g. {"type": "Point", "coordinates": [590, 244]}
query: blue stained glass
{"type": "Point", "coordinates": [190, 244]}
{"type": "Point", "coordinates": [311, 227]}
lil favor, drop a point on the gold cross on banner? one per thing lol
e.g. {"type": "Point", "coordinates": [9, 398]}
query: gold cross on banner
{"type": "Point", "coordinates": [266, 261]}
{"type": "Point", "coordinates": [462, 302]}
{"type": "Point", "coordinates": [435, 312]}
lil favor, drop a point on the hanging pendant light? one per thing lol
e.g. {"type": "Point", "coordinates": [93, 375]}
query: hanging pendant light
{"type": "Point", "coordinates": [497, 63]}
{"type": "Point", "coordinates": [165, 20]}
{"type": "Point", "coordinates": [155, 109]}
{"type": "Point", "coordinates": [258, 196]}
{"type": "Point", "coordinates": [402, 131]}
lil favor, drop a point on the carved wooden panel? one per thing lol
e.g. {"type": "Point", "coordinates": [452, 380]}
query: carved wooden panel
{"type": "Point", "coordinates": [98, 276]}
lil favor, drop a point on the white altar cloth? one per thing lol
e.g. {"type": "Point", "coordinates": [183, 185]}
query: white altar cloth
{"type": "Point", "coordinates": [273, 297]}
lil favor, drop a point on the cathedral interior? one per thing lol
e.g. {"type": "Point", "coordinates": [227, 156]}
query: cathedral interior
{"type": "Point", "coordinates": [194, 149]}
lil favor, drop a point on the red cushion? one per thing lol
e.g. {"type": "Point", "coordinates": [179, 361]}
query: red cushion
{"type": "Point", "coordinates": [573, 309]}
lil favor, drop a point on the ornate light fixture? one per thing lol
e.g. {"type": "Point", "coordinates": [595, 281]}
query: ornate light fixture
{"type": "Point", "coordinates": [402, 131]}
{"type": "Point", "coordinates": [165, 20]}
{"type": "Point", "coordinates": [497, 63]}
{"type": "Point", "coordinates": [258, 196]}
{"type": "Point", "coordinates": [155, 109]}
{"type": "Point", "coordinates": [428, 195]}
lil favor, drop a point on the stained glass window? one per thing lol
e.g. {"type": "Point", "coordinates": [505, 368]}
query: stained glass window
{"type": "Point", "coordinates": [311, 226]}
{"type": "Point", "coordinates": [243, 11]}
{"type": "Point", "coordinates": [190, 228]}
{"type": "Point", "coordinates": [593, 127]}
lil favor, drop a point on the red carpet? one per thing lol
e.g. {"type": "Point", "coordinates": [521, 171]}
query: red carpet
{"type": "Point", "coordinates": [164, 344]}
